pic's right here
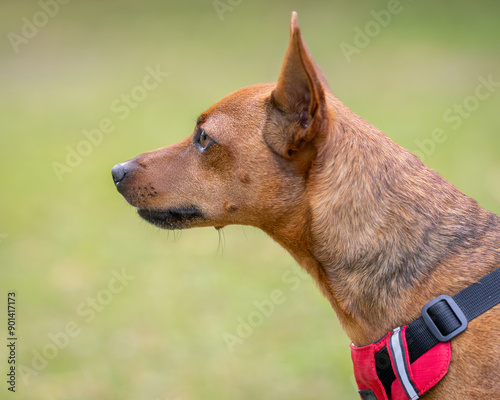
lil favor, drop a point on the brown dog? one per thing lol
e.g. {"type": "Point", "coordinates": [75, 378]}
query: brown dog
{"type": "Point", "coordinates": [380, 232]}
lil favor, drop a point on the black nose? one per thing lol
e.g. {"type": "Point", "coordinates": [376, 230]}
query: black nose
{"type": "Point", "coordinates": [118, 173]}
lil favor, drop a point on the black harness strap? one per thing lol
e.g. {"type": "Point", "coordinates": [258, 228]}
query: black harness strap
{"type": "Point", "coordinates": [442, 319]}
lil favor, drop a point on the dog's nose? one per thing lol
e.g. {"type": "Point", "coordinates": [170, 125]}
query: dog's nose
{"type": "Point", "coordinates": [118, 172]}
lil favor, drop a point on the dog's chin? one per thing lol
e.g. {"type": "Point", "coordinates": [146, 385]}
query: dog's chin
{"type": "Point", "coordinates": [173, 218]}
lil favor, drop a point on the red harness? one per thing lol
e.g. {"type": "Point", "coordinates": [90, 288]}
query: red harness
{"type": "Point", "coordinates": [412, 380]}
{"type": "Point", "coordinates": [413, 358]}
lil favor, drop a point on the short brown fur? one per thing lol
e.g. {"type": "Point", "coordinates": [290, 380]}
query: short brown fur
{"type": "Point", "coordinates": [380, 232]}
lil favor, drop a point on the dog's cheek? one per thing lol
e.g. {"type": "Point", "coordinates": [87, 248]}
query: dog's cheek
{"type": "Point", "coordinates": [217, 160]}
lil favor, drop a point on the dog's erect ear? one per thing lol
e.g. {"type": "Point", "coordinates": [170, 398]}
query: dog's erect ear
{"type": "Point", "coordinates": [298, 102]}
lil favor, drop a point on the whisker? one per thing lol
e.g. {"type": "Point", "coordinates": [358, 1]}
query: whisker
{"type": "Point", "coordinates": [222, 242]}
{"type": "Point", "coordinates": [241, 224]}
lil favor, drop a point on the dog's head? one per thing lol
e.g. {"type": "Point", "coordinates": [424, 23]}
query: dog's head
{"type": "Point", "coordinates": [248, 159]}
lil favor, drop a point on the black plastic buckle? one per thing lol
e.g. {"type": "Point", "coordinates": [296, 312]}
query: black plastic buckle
{"type": "Point", "coordinates": [456, 310]}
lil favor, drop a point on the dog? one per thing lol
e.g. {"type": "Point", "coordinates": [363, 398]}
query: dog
{"type": "Point", "coordinates": [381, 233]}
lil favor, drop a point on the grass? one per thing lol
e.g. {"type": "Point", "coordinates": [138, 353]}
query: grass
{"type": "Point", "coordinates": [161, 337]}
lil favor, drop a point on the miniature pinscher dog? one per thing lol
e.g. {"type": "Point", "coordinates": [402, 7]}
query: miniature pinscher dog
{"type": "Point", "coordinates": [380, 232]}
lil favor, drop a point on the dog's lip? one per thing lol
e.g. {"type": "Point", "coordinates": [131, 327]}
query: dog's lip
{"type": "Point", "coordinates": [171, 218]}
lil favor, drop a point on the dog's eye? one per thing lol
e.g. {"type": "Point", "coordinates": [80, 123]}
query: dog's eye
{"type": "Point", "coordinates": [202, 139]}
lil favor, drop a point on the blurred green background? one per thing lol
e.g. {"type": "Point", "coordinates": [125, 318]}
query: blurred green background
{"type": "Point", "coordinates": [161, 334]}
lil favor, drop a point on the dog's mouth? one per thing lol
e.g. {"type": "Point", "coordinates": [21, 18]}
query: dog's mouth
{"type": "Point", "coordinates": [171, 218]}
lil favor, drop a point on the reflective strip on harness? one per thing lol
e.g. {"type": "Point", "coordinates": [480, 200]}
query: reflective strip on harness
{"type": "Point", "coordinates": [400, 363]}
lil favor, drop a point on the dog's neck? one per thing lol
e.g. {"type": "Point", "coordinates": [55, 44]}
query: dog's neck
{"type": "Point", "coordinates": [379, 231]}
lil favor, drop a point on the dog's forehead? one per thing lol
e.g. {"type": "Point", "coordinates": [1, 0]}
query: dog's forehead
{"type": "Point", "coordinates": [242, 104]}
